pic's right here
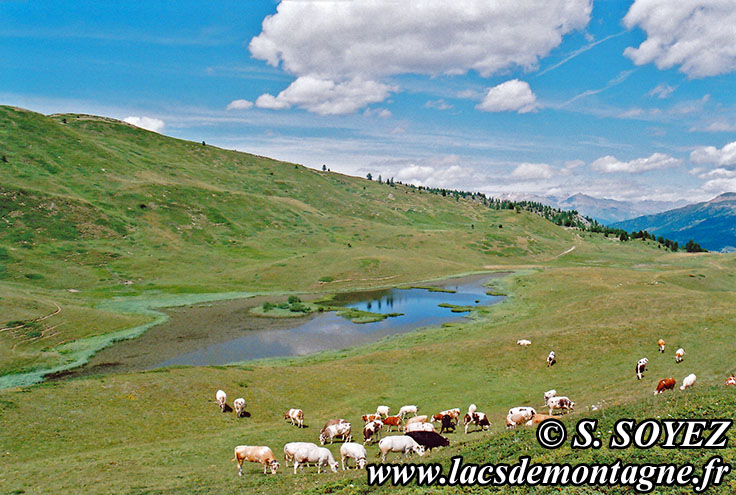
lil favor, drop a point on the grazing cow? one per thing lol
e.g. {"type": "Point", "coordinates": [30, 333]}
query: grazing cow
{"type": "Point", "coordinates": [419, 427]}
{"type": "Point", "coordinates": [548, 395]}
{"type": "Point", "coordinates": [561, 403]}
{"type": "Point", "coordinates": [429, 439]}
{"type": "Point", "coordinates": [321, 456]}
{"type": "Point", "coordinates": [679, 354]}
{"type": "Point", "coordinates": [291, 448]}
{"type": "Point", "coordinates": [538, 418]}
{"type": "Point", "coordinates": [448, 424]}
{"type": "Point", "coordinates": [382, 411]}
{"type": "Point", "coordinates": [665, 384]}
{"type": "Point", "coordinates": [519, 416]}
{"type": "Point", "coordinates": [371, 417]}
{"type": "Point", "coordinates": [453, 413]}
{"type": "Point", "coordinates": [221, 399]}
{"type": "Point", "coordinates": [400, 443]}
{"type": "Point", "coordinates": [524, 342]}
{"type": "Point", "coordinates": [332, 422]}
{"type": "Point", "coordinates": [261, 454]}
{"type": "Point", "coordinates": [239, 405]}
{"type": "Point", "coordinates": [731, 380]}
{"type": "Point", "coordinates": [551, 359]}
{"type": "Point", "coordinates": [477, 418]}
{"type": "Point", "coordinates": [352, 450]}
{"type": "Point", "coordinates": [372, 428]}
{"type": "Point", "coordinates": [296, 416]}
{"type": "Point", "coordinates": [688, 381]}
{"type": "Point", "coordinates": [342, 430]}
{"type": "Point", "coordinates": [392, 421]}
{"type": "Point", "coordinates": [417, 419]}
{"type": "Point", "coordinates": [641, 367]}
{"type": "Point", "coordinates": [407, 410]}
{"type": "Point", "coordinates": [661, 345]}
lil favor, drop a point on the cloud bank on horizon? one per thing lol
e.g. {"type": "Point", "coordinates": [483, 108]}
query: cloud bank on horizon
{"type": "Point", "coordinates": [611, 99]}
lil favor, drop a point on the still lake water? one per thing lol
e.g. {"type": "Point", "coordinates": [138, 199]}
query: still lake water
{"type": "Point", "coordinates": [329, 331]}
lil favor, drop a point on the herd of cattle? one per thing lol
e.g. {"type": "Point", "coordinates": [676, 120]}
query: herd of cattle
{"type": "Point", "coordinates": [418, 432]}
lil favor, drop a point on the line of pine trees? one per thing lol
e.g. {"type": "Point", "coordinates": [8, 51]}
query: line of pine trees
{"type": "Point", "coordinates": [565, 218]}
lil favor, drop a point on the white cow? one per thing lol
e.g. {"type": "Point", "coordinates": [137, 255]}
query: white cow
{"type": "Point", "coordinates": [524, 342]}
{"type": "Point", "coordinates": [239, 405]}
{"type": "Point", "coordinates": [342, 430]}
{"type": "Point", "coordinates": [679, 354]}
{"type": "Point", "coordinates": [472, 408]}
{"type": "Point", "coordinates": [401, 443]}
{"type": "Point", "coordinates": [419, 427]}
{"type": "Point", "coordinates": [383, 410]}
{"type": "Point", "coordinates": [407, 410]}
{"type": "Point", "coordinates": [519, 415]}
{"type": "Point", "coordinates": [291, 448]}
{"type": "Point", "coordinates": [221, 399]}
{"type": "Point", "coordinates": [352, 450]}
{"type": "Point", "coordinates": [320, 456]}
{"type": "Point", "coordinates": [548, 395]}
{"type": "Point", "coordinates": [688, 381]}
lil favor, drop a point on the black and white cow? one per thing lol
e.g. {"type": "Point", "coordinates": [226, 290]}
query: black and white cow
{"type": "Point", "coordinates": [641, 367]}
{"type": "Point", "coordinates": [551, 359]}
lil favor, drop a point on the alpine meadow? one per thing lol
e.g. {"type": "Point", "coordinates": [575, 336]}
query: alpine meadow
{"type": "Point", "coordinates": [109, 229]}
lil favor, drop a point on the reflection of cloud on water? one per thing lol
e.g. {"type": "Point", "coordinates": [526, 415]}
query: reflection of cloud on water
{"type": "Point", "coordinates": [329, 331]}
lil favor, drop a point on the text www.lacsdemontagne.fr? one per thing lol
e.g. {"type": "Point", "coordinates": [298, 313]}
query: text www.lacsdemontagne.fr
{"type": "Point", "coordinates": [642, 478]}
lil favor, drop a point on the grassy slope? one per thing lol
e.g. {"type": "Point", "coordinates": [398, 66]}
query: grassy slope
{"type": "Point", "coordinates": [158, 432]}
{"type": "Point", "coordinates": [214, 221]}
{"type": "Point", "coordinates": [600, 307]}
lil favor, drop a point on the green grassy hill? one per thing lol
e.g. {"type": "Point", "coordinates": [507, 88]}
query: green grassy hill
{"type": "Point", "coordinates": [218, 224]}
{"type": "Point", "coordinates": [94, 208]}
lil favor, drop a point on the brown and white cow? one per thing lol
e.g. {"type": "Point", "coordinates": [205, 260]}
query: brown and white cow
{"type": "Point", "coordinates": [371, 429]}
{"type": "Point", "coordinates": [731, 380]}
{"type": "Point", "coordinates": [454, 414]}
{"type": "Point", "coordinates": [560, 403]}
{"type": "Point", "coordinates": [665, 384]}
{"type": "Point", "coordinates": [679, 355]}
{"type": "Point", "coordinates": [392, 421]}
{"type": "Point", "coordinates": [260, 453]}
{"type": "Point", "coordinates": [519, 416]}
{"type": "Point", "coordinates": [295, 416]}
{"type": "Point", "coordinates": [371, 417]}
{"type": "Point", "coordinates": [661, 345]}
{"type": "Point", "coordinates": [478, 419]}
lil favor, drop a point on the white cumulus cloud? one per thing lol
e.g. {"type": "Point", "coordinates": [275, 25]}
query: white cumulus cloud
{"type": "Point", "coordinates": [531, 171]}
{"type": "Point", "coordinates": [239, 105]}
{"type": "Point", "coordinates": [696, 35]}
{"type": "Point", "coordinates": [149, 123]}
{"type": "Point", "coordinates": [657, 161]}
{"type": "Point", "coordinates": [343, 41]}
{"type": "Point", "coordinates": [326, 97]}
{"type": "Point", "coordinates": [724, 157]}
{"type": "Point", "coordinates": [511, 96]}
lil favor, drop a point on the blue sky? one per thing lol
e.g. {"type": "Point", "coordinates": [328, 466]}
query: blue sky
{"type": "Point", "coordinates": [626, 100]}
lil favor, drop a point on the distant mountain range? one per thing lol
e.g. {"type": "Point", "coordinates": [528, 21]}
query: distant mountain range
{"type": "Point", "coordinates": [712, 224]}
{"type": "Point", "coordinates": [606, 211]}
